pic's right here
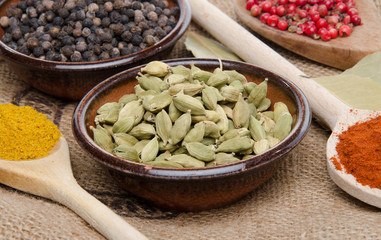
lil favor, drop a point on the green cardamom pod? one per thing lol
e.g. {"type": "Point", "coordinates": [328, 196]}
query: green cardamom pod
{"type": "Point", "coordinates": [105, 108]}
{"type": "Point", "coordinates": [163, 126]}
{"type": "Point", "coordinates": [185, 102]}
{"type": "Point", "coordinates": [258, 93]}
{"type": "Point", "coordinates": [200, 151]}
{"type": "Point", "coordinates": [196, 134]}
{"type": "Point", "coordinates": [180, 150]}
{"type": "Point", "coordinates": [235, 145]}
{"type": "Point", "coordinates": [256, 130]}
{"type": "Point", "coordinates": [269, 114]}
{"type": "Point", "coordinates": [181, 70]}
{"type": "Point", "coordinates": [159, 102]}
{"type": "Point", "coordinates": [218, 78]}
{"type": "Point", "coordinates": [208, 141]}
{"type": "Point", "coordinates": [173, 79]}
{"type": "Point", "coordinates": [149, 83]}
{"type": "Point", "coordinates": [283, 126]}
{"type": "Point", "coordinates": [279, 108]}
{"type": "Point", "coordinates": [201, 76]}
{"type": "Point", "coordinates": [180, 128]}
{"type": "Point", "coordinates": [150, 151]}
{"type": "Point", "coordinates": [133, 109]}
{"type": "Point", "coordinates": [249, 87]}
{"type": "Point", "coordinates": [190, 89]}
{"type": "Point", "coordinates": [143, 131]}
{"type": "Point", "coordinates": [173, 112]}
{"type": "Point", "coordinates": [124, 139]}
{"type": "Point", "coordinates": [209, 97]}
{"type": "Point", "coordinates": [228, 111]}
{"type": "Point", "coordinates": [186, 161]}
{"type": "Point", "coordinates": [241, 112]}
{"type": "Point", "coordinates": [124, 125]}
{"type": "Point", "coordinates": [138, 90]}
{"type": "Point", "coordinates": [264, 105]}
{"type": "Point", "coordinates": [143, 94]}
{"type": "Point", "coordinates": [211, 129]}
{"type": "Point", "coordinates": [128, 98]}
{"type": "Point", "coordinates": [247, 156]}
{"type": "Point", "coordinates": [140, 145]}
{"type": "Point", "coordinates": [102, 138]}
{"type": "Point", "coordinates": [261, 146]}
{"type": "Point", "coordinates": [272, 141]}
{"type": "Point", "coordinates": [225, 158]}
{"type": "Point", "coordinates": [127, 152]}
{"type": "Point", "coordinates": [163, 156]}
{"type": "Point", "coordinates": [223, 122]}
{"type": "Point", "coordinates": [209, 116]}
{"type": "Point", "coordinates": [267, 123]}
{"type": "Point", "coordinates": [235, 76]}
{"type": "Point", "coordinates": [156, 68]}
{"type": "Point", "coordinates": [253, 109]}
{"type": "Point", "coordinates": [233, 133]}
{"type": "Point", "coordinates": [238, 84]}
{"type": "Point", "coordinates": [230, 93]}
{"type": "Point", "coordinates": [167, 147]}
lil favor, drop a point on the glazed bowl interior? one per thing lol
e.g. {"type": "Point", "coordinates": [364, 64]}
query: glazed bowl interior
{"type": "Point", "coordinates": [192, 188]}
{"type": "Point", "coordinates": [72, 80]}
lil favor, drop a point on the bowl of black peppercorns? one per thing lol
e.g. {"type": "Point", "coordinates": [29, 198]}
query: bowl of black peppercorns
{"type": "Point", "coordinates": [64, 48]}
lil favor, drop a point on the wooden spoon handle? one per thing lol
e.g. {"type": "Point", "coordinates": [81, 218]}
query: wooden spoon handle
{"type": "Point", "coordinates": [324, 105]}
{"type": "Point", "coordinates": [99, 216]}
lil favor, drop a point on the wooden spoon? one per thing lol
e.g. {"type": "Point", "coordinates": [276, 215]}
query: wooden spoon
{"type": "Point", "coordinates": [334, 113]}
{"type": "Point", "coordinates": [51, 177]}
{"type": "Point", "coordinates": [342, 52]}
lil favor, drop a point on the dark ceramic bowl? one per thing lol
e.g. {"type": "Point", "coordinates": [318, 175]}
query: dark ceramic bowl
{"type": "Point", "coordinates": [200, 188]}
{"type": "Point", "coordinates": [73, 80]}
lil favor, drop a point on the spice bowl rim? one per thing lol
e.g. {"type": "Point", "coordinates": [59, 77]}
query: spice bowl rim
{"type": "Point", "coordinates": [169, 40]}
{"type": "Point", "coordinates": [297, 133]}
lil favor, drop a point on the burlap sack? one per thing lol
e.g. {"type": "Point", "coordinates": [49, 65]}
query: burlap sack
{"type": "Point", "coordinates": [299, 202]}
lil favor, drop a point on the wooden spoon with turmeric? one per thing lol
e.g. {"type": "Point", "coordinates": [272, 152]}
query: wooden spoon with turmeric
{"type": "Point", "coordinates": [51, 177]}
{"type": "Point", "coordinates": [326, 107]}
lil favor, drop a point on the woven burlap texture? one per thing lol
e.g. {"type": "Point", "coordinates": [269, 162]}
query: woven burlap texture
{"type": "Point", "coordinates": [299, 202]}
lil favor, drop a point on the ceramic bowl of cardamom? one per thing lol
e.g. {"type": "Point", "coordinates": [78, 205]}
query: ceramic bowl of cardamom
{"type": "Point", "coordinates": [186, 177]}
{"type": "Point", "coordinates": [65, 48]}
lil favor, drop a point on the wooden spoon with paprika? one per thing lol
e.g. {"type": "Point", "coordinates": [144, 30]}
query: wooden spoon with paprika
{"type": "Point", "coordinates": [51, 177]}
{"type": "Point", "coordinates": [326, 107]}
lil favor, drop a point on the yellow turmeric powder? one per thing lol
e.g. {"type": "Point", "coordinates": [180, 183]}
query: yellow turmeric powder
{"type": "Point", "coordinates": [25, 134]}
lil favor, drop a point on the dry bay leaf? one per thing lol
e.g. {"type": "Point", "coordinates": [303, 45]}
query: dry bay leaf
{"type": "Point", "coordinates": [203, 47]}
{"type": "Point", "coordinates": [369, 66]}
{"type": "Point", "coordinates": [355, 91]}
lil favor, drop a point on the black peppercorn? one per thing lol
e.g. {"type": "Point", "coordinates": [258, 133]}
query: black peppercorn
{"type": "Point", "coordinates": [106, 22]}
{"type": "Point", "coordinates": [7, 37]}
{"type": "Point", "coordinates": [104, 56]}
{"type": "Point", "coordinates": [38, 51]}
{"type": "Point", "coordinates": [63, 12]}
{"type": "Point", "coordinates": [136, 5]}
{"type": "Point", "coordinates": [115, 53]}
{"type": "Point", "coordinates": [115, 17]}
{"type": "Point", "coordinates": [32, 43]}
{"type": "Point", "coordinates": [136, 39]}
{"type": "Point", "coordinates": [49, 15]}
{"type": "Point", "coordinates": [58, 21]}
{"type": "Point", "coordinates": [76, 57]}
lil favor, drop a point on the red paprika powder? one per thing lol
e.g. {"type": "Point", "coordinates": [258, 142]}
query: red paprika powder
{"type": "Point", "coordinates": [359, 152]}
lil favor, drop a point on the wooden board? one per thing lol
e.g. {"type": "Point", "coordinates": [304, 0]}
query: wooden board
{"type": "Point", "coordinates": [342, 52]}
